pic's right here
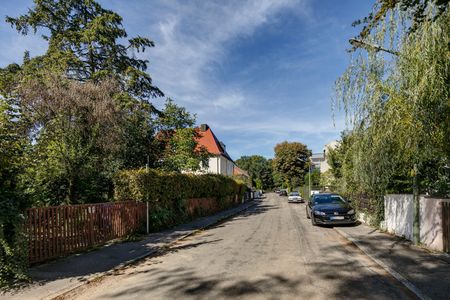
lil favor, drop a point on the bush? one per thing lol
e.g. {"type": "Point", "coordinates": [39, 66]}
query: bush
{"type": "Point", "coordinates": [167, 193]}
{"type": "Point", "coordinates": [157, 186]}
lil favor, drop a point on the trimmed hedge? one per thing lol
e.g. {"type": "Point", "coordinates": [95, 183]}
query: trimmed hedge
{"type": "Point", "coordinates": [158, 186]}
{"type": "Point", "coordinates": [167, 192]}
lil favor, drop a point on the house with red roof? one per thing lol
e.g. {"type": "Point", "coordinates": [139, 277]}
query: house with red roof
{"type": "Point", "coordinates": [220, 161]}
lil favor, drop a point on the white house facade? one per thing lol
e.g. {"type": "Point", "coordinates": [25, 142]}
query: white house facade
{"type": "Point", "coordinates": [220, 161]}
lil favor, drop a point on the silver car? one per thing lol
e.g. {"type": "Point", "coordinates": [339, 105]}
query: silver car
{"type": "Point", "coordinates": [295, 197]}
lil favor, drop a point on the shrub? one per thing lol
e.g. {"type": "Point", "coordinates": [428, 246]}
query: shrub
{"type": "Point", "coordinates": [167, 193]}
{"type": "Point", "coordinates": [157, 186]}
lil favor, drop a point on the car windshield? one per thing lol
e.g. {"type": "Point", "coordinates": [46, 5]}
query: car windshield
{"type": "Point", "coordinates": [328, 199]}
{"type": "Point", "coordinates": [294, 194]}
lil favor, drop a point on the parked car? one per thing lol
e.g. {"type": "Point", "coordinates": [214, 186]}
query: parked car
{"type": "Point", "coordinates": [283, 193]}
{"type": "Point", "coordinates": [295, 197]}
{"type": "Point", "coordinates": [328, 208]}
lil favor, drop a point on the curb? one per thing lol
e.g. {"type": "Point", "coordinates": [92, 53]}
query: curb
{"type": "Point", "coordinates": [64, 292]}
{"type": "Point", "coordinates": [392, 272]}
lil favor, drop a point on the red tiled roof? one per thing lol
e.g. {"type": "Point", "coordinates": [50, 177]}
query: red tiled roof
{"type": "Point", "coordinates": [208, 140]}
{"type": "Point", "coordinates": [239, 171]}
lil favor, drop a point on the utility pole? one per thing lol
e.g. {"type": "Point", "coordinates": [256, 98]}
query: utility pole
{"type": "Point", "coordinates": [310, 162]}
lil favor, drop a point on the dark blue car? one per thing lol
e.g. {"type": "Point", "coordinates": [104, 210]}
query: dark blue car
{"type": "Point", "coordinates": [330, 209]}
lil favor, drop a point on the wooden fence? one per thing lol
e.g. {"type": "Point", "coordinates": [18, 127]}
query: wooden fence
{"type": "Point", "coordinates": [60, 230]}
{"type": "Point", "coordinates": [446, 226]}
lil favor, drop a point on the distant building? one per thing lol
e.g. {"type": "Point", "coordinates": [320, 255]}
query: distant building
{"type": "Point", "coordinates": [220, 162]}
{"type": "Point", "coordinates": [319, 160]}
{"type": "Point", "coordinates": [239, 172]}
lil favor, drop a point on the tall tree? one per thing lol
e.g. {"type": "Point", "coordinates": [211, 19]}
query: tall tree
{"type": "Point", "coordinates": [83, 42]}
{"type": "Point", "coordinates": [86, 44]}
{"type": "Point", "coordinates": [77, 141]}
{"type": "Point", "coordinates": [259, 169]}
{"type": "Point", "coordinates": [12, 242]}
{"type": "Point", "coordinates": [291, 162]}
{"type": "Point", "coordinates": [398, 104]}
{"type": "Point", "coordinates": [178, 140]}
{"type": "Point", "coordinates": [415, 10]}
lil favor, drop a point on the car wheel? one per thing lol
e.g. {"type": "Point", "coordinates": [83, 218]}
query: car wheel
{"type": "Point", "coordinates": [313, 221]}
{"type": "Point", "coordinates": [307, 215]}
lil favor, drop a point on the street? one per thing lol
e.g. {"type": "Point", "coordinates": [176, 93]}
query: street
{"type": "Point", "coordinates": [270, 251]}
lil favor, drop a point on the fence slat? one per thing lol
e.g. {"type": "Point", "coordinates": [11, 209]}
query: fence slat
{"type": "Point", "coordinates": [60, 230]}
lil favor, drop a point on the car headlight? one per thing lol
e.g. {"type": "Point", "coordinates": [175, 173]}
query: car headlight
{"type": "Point", "coordinates": [351, 212]}
{"type": "Point", "coordinates": [320, 213]}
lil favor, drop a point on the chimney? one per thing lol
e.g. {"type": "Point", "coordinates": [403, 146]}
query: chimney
{"type": "Point", "coordinates": [204, 127]}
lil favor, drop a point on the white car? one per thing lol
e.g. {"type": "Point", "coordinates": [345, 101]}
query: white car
{"type": "Point", "coordinates": [295, 197]}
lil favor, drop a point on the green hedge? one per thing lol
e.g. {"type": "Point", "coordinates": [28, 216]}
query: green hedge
{"type": "Point", "coordinates": [157, 186]}
{"type": "Point", "coordinates": [167, 192]}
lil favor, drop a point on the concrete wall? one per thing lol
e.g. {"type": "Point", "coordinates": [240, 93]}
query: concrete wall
{"type": "Point", "coordinates": [431, 222]}
{"type": "Point", "coordinates": [398, 216]}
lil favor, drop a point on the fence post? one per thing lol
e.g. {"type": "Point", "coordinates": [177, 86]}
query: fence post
{"type": "Point", "coordinates": [148, 224]}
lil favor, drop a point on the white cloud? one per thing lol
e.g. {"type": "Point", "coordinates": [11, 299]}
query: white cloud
{"type": "Point", "coordinates": [192, 45]}
{"type": "Point", "coordinates": [283, 126]}
{"type": "Point", "coordinates": [193, 40]}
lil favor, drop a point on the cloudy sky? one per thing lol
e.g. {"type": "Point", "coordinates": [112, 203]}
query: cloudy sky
{"type": "Point", "coordinates": [258, 72]}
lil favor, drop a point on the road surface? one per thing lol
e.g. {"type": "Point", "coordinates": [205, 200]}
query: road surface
{"type": "Point", "coordinates": [270, 251]}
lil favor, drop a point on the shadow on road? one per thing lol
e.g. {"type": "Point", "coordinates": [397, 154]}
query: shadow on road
{"type": "Point", "coordinates": [182, 283]}
{"type": "Point", "coordinates": [83, 265]}
{"type": "Point", "coordinates": [334, 276]}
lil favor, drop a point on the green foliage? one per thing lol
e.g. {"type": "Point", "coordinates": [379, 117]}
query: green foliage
{"type": "Point", "coordinates": [327, 181]}
{"type": "Point", "coordinates": [158, 186]}
{"type": "Point", "coordinates": [167, 192]}
{"type": "Point", "coordinates": [13, 250]}
{"type": "Point", "coordinates": [415, 10]}
{"type": "Point", "coordinates": [74, 116]}
{"type": "Point", "coordinates": [86, 43]}
{"type": "Point", "coordinates": [174, 117]}
{"type": "Point", "coordinates": [290, 163]}
{"type": "Point", "coordinates": [178, 140]}
{"type": "Point", "coordinates": [77, 140]}
{"type": "Point", "coordinates": [399, 110]}
{"type": "Point", "coordinates": [83, 41]}
{"type": "Point", "coordinates": [259, 169]}
{"type": "Point", "coordinates": [315, 178]}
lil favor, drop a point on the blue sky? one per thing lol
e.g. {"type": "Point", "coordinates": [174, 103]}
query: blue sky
{"type": "Point", "coordinates": [258, 72]}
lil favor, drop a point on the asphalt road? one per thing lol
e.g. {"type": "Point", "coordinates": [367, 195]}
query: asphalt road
{"type": "Point", "coordinates": [270, 251]}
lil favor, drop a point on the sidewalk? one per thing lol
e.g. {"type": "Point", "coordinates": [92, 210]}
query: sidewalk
{"type": "Point", "coordinates": [426, 273]}
{"type": "Point", "coordinates": [62, 275]}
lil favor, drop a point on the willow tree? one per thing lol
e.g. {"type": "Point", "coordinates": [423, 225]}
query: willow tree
{"type": "Point", "coordinates": [398, 105]}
